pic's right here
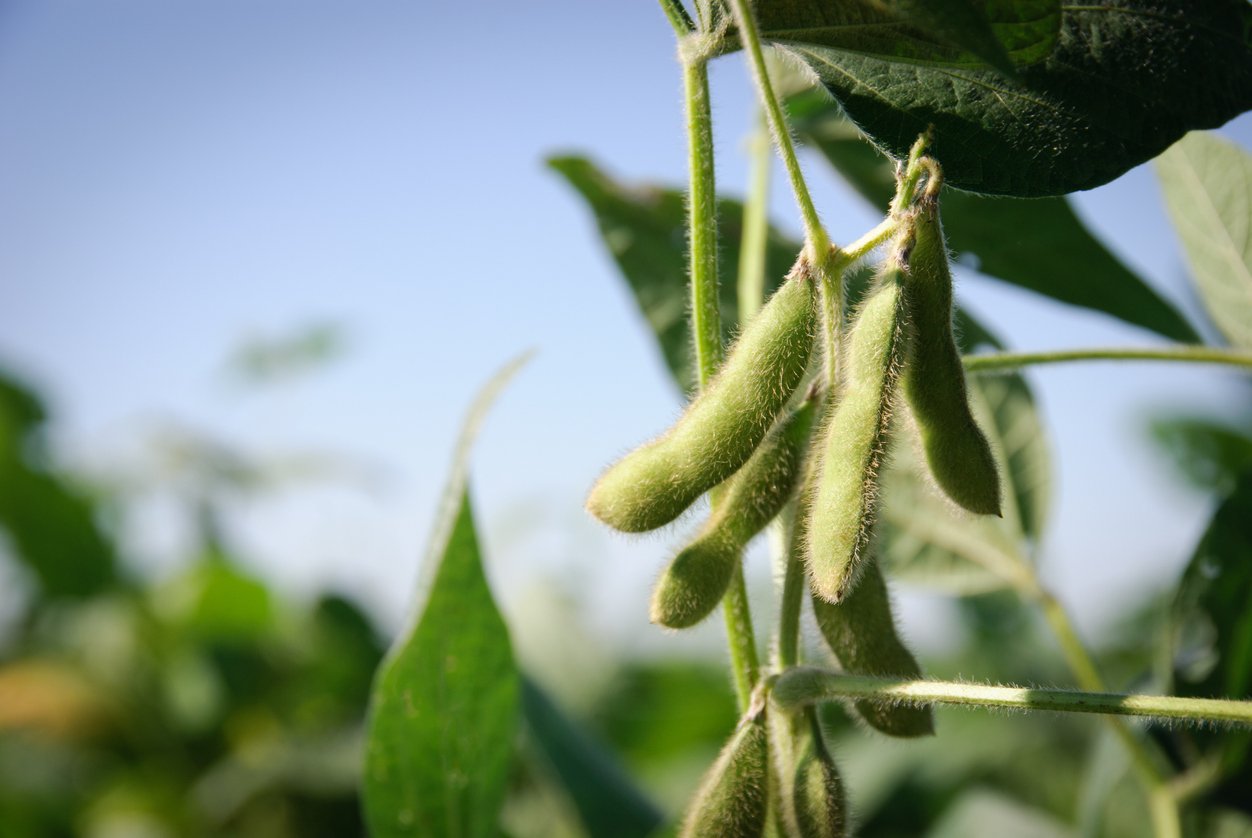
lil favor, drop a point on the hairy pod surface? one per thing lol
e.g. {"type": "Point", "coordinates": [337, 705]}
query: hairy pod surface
{"type": "Point", "coordinates": [957, 452]}
{"type": "Point", "coordinates": [718, 432]}
{"type": "Point", "coordinates": [733, 796]}
{"type": "Point", "coordinates": [697, 578]}
{"type": "Point", "coordinates": [862, 633]}
{"type": "Point", "coordinates": [854, 439]}
{"type": "Point", "coordinates": [818, 798]}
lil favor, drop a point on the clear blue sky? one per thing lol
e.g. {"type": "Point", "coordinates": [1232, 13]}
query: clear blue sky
{"type": "Point", "coordinates": [181, 177]}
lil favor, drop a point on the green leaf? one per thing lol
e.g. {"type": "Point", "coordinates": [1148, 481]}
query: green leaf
{"type": "Point", "coordinates": [645, 230]}
{"type": "Point", "coordinates": [1039, 245]}
{"type": "Point", "coordinates": [1207, 182]}
{"type": "Point", "coordinates": [607, 800]}
{"type": "Point", "coordinates": [1124, 81]}
{"type": "Point", "coordinates": [984, 812]}
{"type": "Point", "coordinates": [1002, 34]}
{"type": "Point", "coordinates": [446, 700]}
{"type": "Point", "coordinates": [924, 540]}
{"type": "Point", "coordinates": [1210, 454]}
{"type": "Point", "coordinates": [1213, 636]}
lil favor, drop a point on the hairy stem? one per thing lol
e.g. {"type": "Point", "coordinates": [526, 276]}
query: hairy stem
{"type": "Point", "coordinates": [814, 233]}
{"type": "Point", "coordinates": [752, 247]}
{"type": "Point", "coordinates": [706, 328]}
{"type": "Point", "coordinates": [997, 361]}
{"type": "Point", "coordinates": [678, 17]}
{"type": "Point", "coordinates": [802, 686]}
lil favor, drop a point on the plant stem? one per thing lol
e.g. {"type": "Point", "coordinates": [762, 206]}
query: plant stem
{"type": "Point", "coordinates": [1190, 354]}
{"type": "Point", "coordinates": [706, 329]}
{"type": "Point", "coordinates": [678, 17]}
{"type": "Point", "coordinates": [752, 248]}
{"type": "Point", "coordinates": [702, 222]}
{"type": "Point", "coordinates": [814, 233]}
{"type": "Point", "coordinates": [795, 584]}
{"type": "Point", "coordinates": [804, 685]}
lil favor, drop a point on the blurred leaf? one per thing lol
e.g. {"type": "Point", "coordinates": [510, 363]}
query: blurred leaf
{"type": "Point", "coordinates": [924, 539]}
{"type": "Point", "coordinates": [645, 229]}
{"type": "Point", "coordinates": [446, 702]}
{"type": "Point", "coordinates": [1210, 454]}
{"type": "Point", "coordinates": [1123, 82]}
{"type": "Point", "coordinates": [1106, 767]}
{"type": "Point", "coordinates": [607, 800]}
{"type": "Point", "coordinates": [304, 350]}
{"type": "Point", "coordinates": [983, 812]}
{"type": "Point", "coordinates": [215, 601]}
{"type": "Point", "coordinates": [53, 699]}
{"type": "Point", "coordinates": [1213, 634]}
{"type": "Point", "coordinates": [1207, 181]}
{"type": "Point", "coordinates": [946, 33]}
{"type": "Point", "coordinates": [1039, 245]}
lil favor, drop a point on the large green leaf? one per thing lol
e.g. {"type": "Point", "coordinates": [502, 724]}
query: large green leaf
{"type": "Point", "coordinates": [951, 33]}
{"type": "Point", "coordinates": [1213, 636]}
{"type": "Point", "coordinates": [1125, 80]}
{"type": "Point", "coordinates": [1209, 453]}
{"type": "Point", "coordinates": [923, 539]}
{"type": "Point", "coordinates": [1040, 245]}
{"type": "Point", "coordinates": [607, 800]}
{"type": "Point", "coordinates": [645, 230]}
{"type": "Point", "coordinates": [1207, 182]}
{"type": "Point", "coordinates": [446, 699]}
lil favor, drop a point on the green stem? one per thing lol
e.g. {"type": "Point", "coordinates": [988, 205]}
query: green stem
{"type": "Point", "coordinates": [752, 248]}
{"type": "Point", "coordinates": [843, 258]}
{"type": "Point", "coordinates": [814, 232]}
{"type": "Point", "coordinates": [795, 583]}
{"type": "Point", "coordinates": [678, 17]}
{"type": "Point", "coordinates": [802, 686]}
{"type": "Point", "coordinates": [706, 328]}
{"type": "Point", "coordinates": [1189, 354]}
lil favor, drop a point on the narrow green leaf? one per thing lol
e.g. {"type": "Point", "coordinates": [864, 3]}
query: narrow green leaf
{"type": "Point", "coordinates": [1039, 245]}
{"type": "Point", "coordinates": [1207, 182]}
{"type": "Point", "coordinates": [607, 800]}
{"type": "Point", "coordinates": [644, 229]}
{"type": "Point", "coordinates": [446, 699]}
{"type": "Point", "coordinates": [1003, 34]}
{"type": "Point", "coordinates": [1124, 81]}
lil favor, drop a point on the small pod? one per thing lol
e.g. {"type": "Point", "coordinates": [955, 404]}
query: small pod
{"type": "Point", "coordinates": [821, 808]}
{"type": "Point", "coordinates": [718, 432]}
{"type": "Point", "coordinates": [957, 452]}
{"type": "Point", "coordinates": [697, 578]}
{"type": "Point", "coordinates": [733, 800]}
{"type": "Point", "coordinates": [855, 436]}
{"type": "Point", "coordinates": [862, 633]}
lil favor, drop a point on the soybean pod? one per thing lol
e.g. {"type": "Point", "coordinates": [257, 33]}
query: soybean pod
{"type": "Point", "coordinates": [697, 578]}
{"type": "Point", "coordinates": [957, 452]}
{"type": "Point", "coordinates": [861, 632]}
{"type": "Point", "coordinates": [718, 432]}
{"type": "Point", "coordinates": [732, 800]}
{"type": "Point", "coordinates": [818, 799]}
{"type": "Point", "coordinates": [855, 437]}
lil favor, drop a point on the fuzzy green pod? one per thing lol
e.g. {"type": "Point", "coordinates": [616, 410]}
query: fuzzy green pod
{"type": "Point", "coordinates": [733, 800]}
{"type": "Point", "coordinates": [862, 633]}
{"type": "Point", "coordinates": [854, 439]}
{"type": "Point", "coordinates": [697, 578]}
{"type": "Point", "coordinates": [718, 432]}
{"type": "Point", "coordinates": [957, 452]}
{"type": "Point", "coordinates": [818, 798]}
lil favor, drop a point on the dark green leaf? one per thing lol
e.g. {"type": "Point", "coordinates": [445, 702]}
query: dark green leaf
{"type": "Point", "coordinates": [1207, 182]}
{"type": "Point", "coordinates": [607, 800]}
{"type": "Point", "coordinates": [1039, 245]}
{"type": "Point", "coordinates": [1125, 80]}
{"type": "Point", "coordinates": [950, 33]}
{"type": "Point", "coordinates": [645, 230]}
{"type": "Point", "coordinates": [445, 703]}
{"type": "Point", "coordinates": [1213, 634]}
{"type": "Point", "coordinates": [1210, 454]}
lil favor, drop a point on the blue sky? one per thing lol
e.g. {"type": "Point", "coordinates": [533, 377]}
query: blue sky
{"type": "Point", "coordinates": [179, 178]}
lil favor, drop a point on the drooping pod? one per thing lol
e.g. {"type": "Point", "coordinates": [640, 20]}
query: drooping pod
{"type": "Point", "coordinates": [957, 452]}
{"type": "Point", "coordinates": [862, 633]}
{"type": "Point", "coordinates": [718, 432]}
{"type": "Point", "coordinates": [732, 800]}
{"type": "Point", "coordinates": [818, 799]}
{"type": "Point", "coordinates": [697, 578]}
{"type": "Point", "coordinates": [855, 436]}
